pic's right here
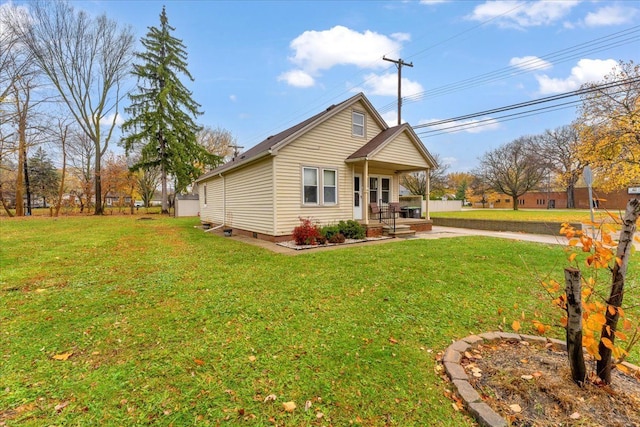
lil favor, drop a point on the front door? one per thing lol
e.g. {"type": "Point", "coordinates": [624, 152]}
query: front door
{"type": "Point", "coordinates": [357, 196]}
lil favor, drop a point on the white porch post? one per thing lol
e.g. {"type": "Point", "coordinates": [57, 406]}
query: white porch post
{"type": "Point", "coordinates": [365, 195]}
{"type": "Point", "coordinates": [426, 193]}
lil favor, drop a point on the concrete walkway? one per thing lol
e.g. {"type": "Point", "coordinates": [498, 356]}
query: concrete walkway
{"type": "Point", "coordinates": [439, 232]}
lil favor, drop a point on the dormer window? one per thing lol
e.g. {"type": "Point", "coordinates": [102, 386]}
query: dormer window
{"type": "Point", "coordinates": [357, 123]}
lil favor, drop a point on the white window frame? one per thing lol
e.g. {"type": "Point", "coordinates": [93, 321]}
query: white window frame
{"type": "Point", "coordinates": [379, 190]}
{"type": "Point", "coordinates": [334, 186]}
{"type": "Point", "coordinates": [205, 195]}
{"type": "Point", "coordinates": [304, 185]}
{"type": "Point", "coordinates": [320, 186]}
{"type": "Point", "coordinates": [355, 125]}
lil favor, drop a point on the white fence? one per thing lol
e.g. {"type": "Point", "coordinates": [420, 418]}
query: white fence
{"type": "Point", "coordinates": [443, 205]}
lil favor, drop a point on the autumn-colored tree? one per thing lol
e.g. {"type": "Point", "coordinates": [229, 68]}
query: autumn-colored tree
{"type": "Point", "coordinates": [479, 191]}
{"type": "Point", "coordinates": [512, 169]}
{"type": "Point", "coordinates": [119, 182]}
{"type": "Point", "coordinates": [458, 182]}
{"type": "Point", "coordinates": [593, 301]}
{"type": "Point", "coordinates": [609, 127]}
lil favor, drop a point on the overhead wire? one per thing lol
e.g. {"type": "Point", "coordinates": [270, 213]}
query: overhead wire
{"type": "Point", "coordinates": [456, 126]}
{"type": "Point", "coordinates": [600, 44]}
{"type": "Point", "coordinates": [314, 106]}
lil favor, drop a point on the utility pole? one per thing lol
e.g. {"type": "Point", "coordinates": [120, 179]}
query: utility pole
{"type": "Point", "coordinates": [399, 63]}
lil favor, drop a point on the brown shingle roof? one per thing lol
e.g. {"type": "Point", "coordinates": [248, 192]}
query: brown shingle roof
{"type": "Point", "coordinates": [374, 144]}
{"type": "Point", "coordinates": [263, 147]}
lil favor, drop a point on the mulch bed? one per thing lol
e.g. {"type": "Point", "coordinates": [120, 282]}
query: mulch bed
{"type": "Point", "coordinates": [530, 384]}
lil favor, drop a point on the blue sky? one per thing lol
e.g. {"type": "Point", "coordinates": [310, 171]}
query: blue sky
{"type": "Point", "coordinates": [262, 66]}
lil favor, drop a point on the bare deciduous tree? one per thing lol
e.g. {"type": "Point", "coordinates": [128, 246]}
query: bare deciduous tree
{"type": "Point", "coordinates": [512, 169]}
{"type": "Point", "coordinates": [86, 59]}
{"type": "Point", "coordinates": [560, 147]}
{"type": "Point", "coordinates": [416, 182]}
{"type": "Point", "coordinates": [218, 141]}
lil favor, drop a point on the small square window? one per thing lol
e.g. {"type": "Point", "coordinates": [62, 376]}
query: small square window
{"type": "Point", "coordinates": [357, 121]}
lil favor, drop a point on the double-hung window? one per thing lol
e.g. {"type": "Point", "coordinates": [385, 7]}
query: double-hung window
{"type": "Point", "coordinates": [319, 186]}
{"type": "Point", "coordinates": [310, 185]}
{"type": "Point", "coordinates": [357, 123]}
{"type": "Point", "coordinates": [329, 184]}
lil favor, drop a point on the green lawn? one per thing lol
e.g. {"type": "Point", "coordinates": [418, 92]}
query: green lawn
{"type": "Point", "coordinates": [165, 324]}
{"type": "Point", "coordinates": [551, 215]}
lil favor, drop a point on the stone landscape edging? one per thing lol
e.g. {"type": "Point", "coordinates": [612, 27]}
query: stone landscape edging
{"type": "Point", "coordinates": [484, 415]}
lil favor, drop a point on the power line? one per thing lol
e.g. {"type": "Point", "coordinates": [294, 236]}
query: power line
{"type": "Point", "coordinates": [610, 41]}
{"type": "Point", "coordinates": [463, 126]}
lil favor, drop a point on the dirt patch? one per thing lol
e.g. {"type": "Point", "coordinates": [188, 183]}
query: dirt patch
{"type": "Point", "coordinates": [530, 384]}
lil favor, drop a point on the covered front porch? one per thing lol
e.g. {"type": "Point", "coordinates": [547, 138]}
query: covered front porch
{"type": "Point", "coordinates": [377, 169]}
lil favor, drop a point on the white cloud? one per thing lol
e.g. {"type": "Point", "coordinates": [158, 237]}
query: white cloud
{"type": "Point", "coordinates": [610, 15]}
{"type": "Point", "coordinates": [433, 2]}
{"type": "Point", "coordinates": [315, 51]}
{"type": "Point", "coordinates": [468, 126]}
{"type": "Point", "coordinates": [297, 78]}
{"type": "Point", "coordinates": [233, 98]}
{"type": "Point", "coordinates": [587, 70]}
{"type": "Point", "coordinates": [387, 85]}
{"type": "Point", "coordinates": [108, 120]}
{"type": "Point", "coordinates": [522, 14]}
{"type": "Point", "coordinates": [530, 63]}
{"type": "Point", "coordinates": [321, 50]}
{"type": "Point", "coordinates": [449, 161]}
{"type": "Point", "coordinates": [391, 117]}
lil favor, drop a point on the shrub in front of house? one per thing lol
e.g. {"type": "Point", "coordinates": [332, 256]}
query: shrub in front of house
{"type": "Point", "coordinates": [328, 231]}
{"type": "Point", "coordinates": [337, 238]}
{"type": "Point", "coordinates": [352, 229]}
{"type": "Point", "coordinates": [306, 233]}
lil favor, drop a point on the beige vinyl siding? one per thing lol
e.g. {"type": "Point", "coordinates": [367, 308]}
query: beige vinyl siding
{"type": "Point", "coordinates": [324, 147]}
{"type": "Point", "coordinates": [212, 212]}
{"type": "Point", "coordinates": [249, 199]}
{"type": "Point", "coordinates": [402, 151]}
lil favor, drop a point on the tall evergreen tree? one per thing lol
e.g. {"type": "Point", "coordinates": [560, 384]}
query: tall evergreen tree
{"type": "Point", "coordinates": [162, 112]}
{"type": "Point", "coordinates": [43, 176]}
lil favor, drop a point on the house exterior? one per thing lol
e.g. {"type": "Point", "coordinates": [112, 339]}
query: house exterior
{"type": "Point", "coordinates": [616, 200]}
{"type": "Point", "coordinates": [330, 167]}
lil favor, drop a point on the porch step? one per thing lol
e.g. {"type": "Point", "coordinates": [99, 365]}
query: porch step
{"type": "Point", "coordinates": [402, 230]}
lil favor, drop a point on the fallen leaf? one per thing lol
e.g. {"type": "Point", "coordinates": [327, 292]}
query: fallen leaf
{"type": "Point", "coordinates": [574, 416]}
{"type": "Point", "coordinates": [537, 374]}
{"type": "Point", "coordinates": [515, 325]}
{"type": "Point", "coordinates": [270, 398]}
{"type": "Point", "coordinates": [198, 362]}
{"type": "Point", "coordinates": [515, 408]}
{"type": "Point", "coordinates": [289, 406]}
{"type": "Point", "coordinates": [60, 406]}
{"type": "Point", "coordinates": [392, 340]}
{"type": "Point", "coordinates": [62, 356]}
{"type": "Point", "coordinates": [526, 377]}
{"type": "Point", "coordinates": [252, 358]}
{"type": "Point", "coordinates": [307, 405]}
{"type": "Point", "coordinates": [319, 415]}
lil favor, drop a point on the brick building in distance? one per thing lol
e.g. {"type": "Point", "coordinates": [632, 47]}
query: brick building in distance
{"type": "Point", "coordinates": [616, 200]}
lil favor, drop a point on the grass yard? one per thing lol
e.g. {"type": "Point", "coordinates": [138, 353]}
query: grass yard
{"type": "Point", "coordinates": [551, 215]}
{"type": "Point", "coordinates": [119, 321]}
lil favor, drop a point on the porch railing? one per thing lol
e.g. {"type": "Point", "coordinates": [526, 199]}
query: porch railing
{"type": "Point", "coordinates": [386, 213]}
